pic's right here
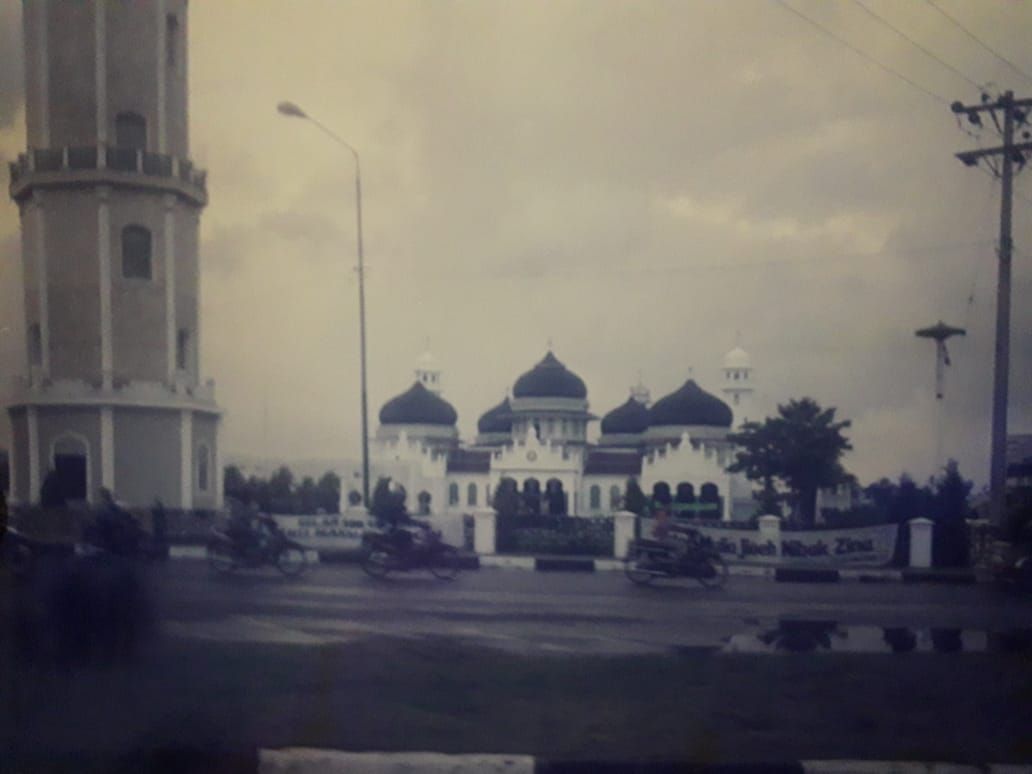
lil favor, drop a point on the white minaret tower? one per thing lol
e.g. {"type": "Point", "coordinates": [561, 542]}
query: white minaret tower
{"type": "Point", "coordinates": [738, 385]}
{"type": "Point", "coordinates": [428, 372]}
{"type": "Point", "coordinates": [110, 203]}
{"type": "Point", "coordinates": [641, 393]}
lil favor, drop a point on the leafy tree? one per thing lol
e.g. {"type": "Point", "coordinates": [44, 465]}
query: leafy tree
{"type": "Point", "coordinates": [306, 497]}
{"type": "Point", "coordinates": [280, 497]}
{"type": "Point", "coordinates": [328, 492]}
{"type": "Point", "coordinates": [233, 482]}
{"type": "Point", "coordinates": [801, 447]}
{"type": "Point", "coordinates": [634, 499]}
{"type": "Point", "coordinates": [950, 510]}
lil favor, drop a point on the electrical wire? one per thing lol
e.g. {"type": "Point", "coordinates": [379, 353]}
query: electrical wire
{"type": "Point", "coordinates": [925, 51]}
{"type": "Point", "coordinates": [937, 97]}
{"type": "Point", "coordinates": [977, 40]}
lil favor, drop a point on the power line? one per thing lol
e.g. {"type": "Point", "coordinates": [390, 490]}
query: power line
{"type": "Point", "coordinates": [865, 55]}
{"type": "Point", "coordinates": [917, 45]}
{"type": "Point", "coordinates": [977, 40]}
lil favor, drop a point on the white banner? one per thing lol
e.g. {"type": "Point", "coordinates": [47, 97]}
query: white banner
{"type": "Point", "coordinates": [326, 532]}
{"type": "Point", "coordinates": [871, 546]}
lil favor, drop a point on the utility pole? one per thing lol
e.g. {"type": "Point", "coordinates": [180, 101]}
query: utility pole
{"type": "Point", "coordinates": [1006, 112]}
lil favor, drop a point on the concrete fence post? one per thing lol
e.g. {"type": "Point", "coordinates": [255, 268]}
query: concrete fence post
{"type": "Point", "coordinates": [484, 539]}
{"type": "Point", "coordinates": [921, 542]}
{"type": "Point", "coordinates": [623, 532]}
{"type": "Point", "coordinates": [770, 531]}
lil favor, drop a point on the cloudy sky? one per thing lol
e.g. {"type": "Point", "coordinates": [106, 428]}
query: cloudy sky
{"type": "Point", "coordinates": [636, 183]}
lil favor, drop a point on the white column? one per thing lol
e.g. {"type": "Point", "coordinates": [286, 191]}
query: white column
{"type": "Point", "coordinates": [623, 532]}
{"type": "Point", "coordinates": [216, 461]}
{"type": "Point", "coordinates": [770, 530]}
{"type": "Point", "coordinates": [44, 74]}
{"type": "Point", "coordinates": [484, 541]}
{"type": "Point", "coordinates": [100, 68]}
{"type": "Point", "coordinates": [104, 262]}
{"type": "Point", "coordinates": [186, 459]}
{"type": "Point", "coordinates": [107, 448]}
{"type": "Point", "coordinates": [921, 542]}
{"type": "Point", "coordinates": [42, 281]}
{"type": "Point", "coordinates": [160, 25]}
{"type": "Point", "coordinates": [34, 477]}
{"type": "Point", "coordinates": [170, 286]}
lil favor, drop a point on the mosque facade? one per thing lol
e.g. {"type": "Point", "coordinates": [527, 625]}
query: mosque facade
{"type": "Point", "coordinates": [538, 436]}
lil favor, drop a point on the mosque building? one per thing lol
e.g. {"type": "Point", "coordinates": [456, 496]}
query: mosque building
{"type": "Point", "coordinates": [539, 437]}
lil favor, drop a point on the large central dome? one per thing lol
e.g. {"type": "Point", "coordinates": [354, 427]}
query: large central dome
{"type": "Point", "coordinates": [417, 406]}
{"type": "Point", "coordinates": [549, 379]}
{"type": "Point", "coordinates": [690, 405]}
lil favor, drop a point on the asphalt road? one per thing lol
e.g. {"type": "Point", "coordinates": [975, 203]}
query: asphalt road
{"type": "Point", "coordinates": [520, 610]}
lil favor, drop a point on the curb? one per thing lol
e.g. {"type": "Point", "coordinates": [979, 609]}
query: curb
{"type": "Point", "coordinates": [306, 760]}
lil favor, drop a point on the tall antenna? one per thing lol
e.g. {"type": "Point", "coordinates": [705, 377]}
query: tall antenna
{"type": "Point", "coordinates": [939, 332]}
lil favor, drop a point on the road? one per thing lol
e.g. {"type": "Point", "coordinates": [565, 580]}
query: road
{"type": "Point", "coordinates": [520, 610]}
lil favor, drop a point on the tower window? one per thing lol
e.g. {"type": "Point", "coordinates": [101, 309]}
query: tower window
{"type": "Point", "coordinates": [35, 345]}
{"type": "Point", "coordinates": [453, 494]}
{"type": "Point", "coordinates": [471, 494]}
{"type": "Point", "coordinates": [182, 348]}
{"type": "Point", "coordinates": [136, 253]}
{"type": "Point", "coordinates": [203, 465]}
{"type": "Point", "coordinates": [595, 497]}
{"type": "Point", "coordinates": [171, 39]}
{"type": "Point", "coordinates": [131, 131]}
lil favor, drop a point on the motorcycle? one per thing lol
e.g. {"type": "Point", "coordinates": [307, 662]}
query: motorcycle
{"type": "Point", "coordinates": [398, 550]}
{"type": "Point", "coordinates": [650, 559]}
{"type": "Point", "coordinates": [227, 553]}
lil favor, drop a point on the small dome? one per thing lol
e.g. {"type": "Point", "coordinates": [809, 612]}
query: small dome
{"type": "Point", "coordinates": [737, 358]}
{"type": "Point", "coordinates": [549, 379]}
{"type": "Point", "coordinates": [690, 405]}
{"type": "Point", "coordinates": [417, 406]}
{"type": "Point", "coordinates": [631, 417]}
{"type": "Point", "coordinates": [496, 420]}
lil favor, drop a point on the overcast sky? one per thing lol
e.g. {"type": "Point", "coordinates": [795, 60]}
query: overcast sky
{"type": "Point", "coordinates": [633, 181]}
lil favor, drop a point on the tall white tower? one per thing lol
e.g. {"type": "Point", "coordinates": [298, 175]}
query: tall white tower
{"type": "Point", "coordinates": [428, 372]}
{"type": "Point", "coordinates": [110, 206]}
{"type": "Point", "coordinates": [738, 385]}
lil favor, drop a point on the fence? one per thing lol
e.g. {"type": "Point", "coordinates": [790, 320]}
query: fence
{"type": "Point", "coordinates": [567, 535]}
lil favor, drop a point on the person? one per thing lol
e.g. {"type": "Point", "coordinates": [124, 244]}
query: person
{"type": "Point", "coordinates": [117, 530]}
{"type": "Point", "coordinates": [242, 528]}
{"type": "Point", "coordinates": [681, 539]}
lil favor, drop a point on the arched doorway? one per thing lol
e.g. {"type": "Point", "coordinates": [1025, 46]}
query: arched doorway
{"type": "Point", "coordinates": [70, 467]}
{"type": "Point", "coordinates": [555, 497]}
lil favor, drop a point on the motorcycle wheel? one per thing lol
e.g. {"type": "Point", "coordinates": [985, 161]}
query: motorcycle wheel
{"type": "Point", "coordinates": [291, 561]}
{"type": "Point", "coordinates": [720, 572]}
{"type": "Point", "coordinates": [636, 567]}
{"type": "Point", "coordinates": [220, 558]}
{"type": "Point", "coordinates": [376, 564]}
{"type": "Point", "coordinates": [444, 564]}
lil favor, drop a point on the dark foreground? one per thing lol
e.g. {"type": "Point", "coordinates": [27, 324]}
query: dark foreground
{"type": "Point", "coordinates": [193, 706]}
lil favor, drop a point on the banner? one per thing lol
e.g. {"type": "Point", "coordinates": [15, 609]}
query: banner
{"type": "Point", "coordinates": [870, 546]}
{"type": "Point", "coordinates": [326, 532]}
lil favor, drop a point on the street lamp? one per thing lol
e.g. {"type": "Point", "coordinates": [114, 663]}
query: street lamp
{"type": "Point", "coordinates": [293, 111]}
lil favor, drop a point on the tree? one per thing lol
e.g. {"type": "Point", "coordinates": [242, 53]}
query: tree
{"type": "Point", "coordinates": [233, 483]}
{"type": "Point", "coordinates": [801, 447]}
{"type": "Point", "coordinates": [280, 491]}
{"type": "Point", "coordinates": [634, 499]}
{"type": "Point", "coordinates": [328, 492]}
{"type": "Point", "coordinates": [306, 497]}
{"type": "Point", "coordinates": [950, 510]}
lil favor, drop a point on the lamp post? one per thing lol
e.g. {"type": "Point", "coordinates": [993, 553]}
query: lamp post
{"type": "Point", "coordinates": [293, 111]}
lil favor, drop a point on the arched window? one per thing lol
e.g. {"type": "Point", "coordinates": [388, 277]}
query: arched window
{"type": "Point", "coordinates": [615, 497]}
{"type": "Point", "coordinates": [471, 494]}
{"type": "Point", "coordinates": [595, 497]}
{"type": "Point", "coordinates": [131, 131]}
{"type": "Point", "coordinates": [203, 468]}
{"type": "Point", "coordinates": [136, 253]}
{"type": "Point", "coordinates": [661, 493]}
{"type": "Point", "coordinates": [453, 494]}
{"type": "Point", "coordinates": [709, 499]}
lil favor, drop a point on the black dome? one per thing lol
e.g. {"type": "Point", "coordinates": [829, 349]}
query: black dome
{"type": "Point", "coordinates": [631, 417]}
{"type": "Point", "coordinates": [417, 406]}
{"type": "Point", "coordinates": [549, 379]}
{"type": "Point", "coordinates": [496, 420]}
{"type": "Point", "coordinates": [690, 405]}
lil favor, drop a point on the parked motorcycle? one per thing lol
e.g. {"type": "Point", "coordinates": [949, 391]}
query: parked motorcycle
{"type": "Point", "coordinates": [401, 551]}
{"type": "Point", "coordinates": [650, 559]}
{"type": "Point", "coordinates": [226, 553]}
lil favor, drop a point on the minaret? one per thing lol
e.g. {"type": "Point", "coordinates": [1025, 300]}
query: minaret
{"type": "Point", "coordinates": [110, 206]}
{"type": "Point", "coordinates": [738, 385]}
{"type": "Point", "coordinates": [428, 372]}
